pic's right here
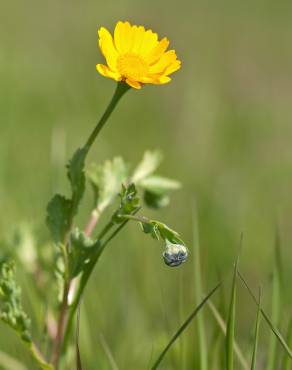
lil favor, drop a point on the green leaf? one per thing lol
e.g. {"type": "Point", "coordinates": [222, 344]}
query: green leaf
{"type": "Point", "coordinates": [81, 251]}
{"type": "Point", "coordinates": [129, 203]}
{"type": "Point", "coordinates": [287, 363]}
{"type": "Point", "coordinates": [275, 304]}
{"type": "Point", "coordinates": [107, 180]}
{"type": "Point", "coordinates": [58, 217]}
{"type": "Point", "coordinates": [256, 336]}
{"type": "Point", "coordinates": [159, 230]}
{"type": "Point", "coordinates": [76, 176]}
{"type": "Point", "coordinates": [217, 316]}
{"type": "Point", "coordinates": [154, 200]}
{"type": "Point", "coordinates": [11, 311]}
{"type": "Point", "coordinates": [183, 327]}
{"type": "Point", "coordinates": [229, 345]}
{"type": "Point", "coordinates": [267, 319]}
{"type": "Point", "coordinates": [201, 331]}
{"type": "Point", "coordinates": [158, 184]}
{"type": "Point", "coordinates": [147, 166]}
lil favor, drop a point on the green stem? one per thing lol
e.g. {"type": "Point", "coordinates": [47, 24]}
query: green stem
{"type": "Point", "coordinates": [85, 277]}
{"type": "Point", "coordinates": [142, 219]}
{"type": "Point", "coordinates": [38, 357]}
{"type": "Point", "coordinates": [120, 91]}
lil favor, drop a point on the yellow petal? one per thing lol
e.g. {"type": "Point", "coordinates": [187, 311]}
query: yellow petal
{"type": "Point", "coordinates": [107, 47]}
{"type": "Point", "coordinates": [157, 51]}
{"type": "Point", "coordinates": [150, 41]}
{"type": "Point", "coordinates": [134, 84]}
{"type": "Point", "coordinates": [137, 39]}
{"type": "Point", "coordinates": [162, 80]}
{"type": "Point", "coordinates": [106, 72]}
{"type": "Point", "coordinates": [163, 63]}
{"type": "Point", "coordinates": [173, 67]}
{"type": "Point", "coordinates": [122, 36]}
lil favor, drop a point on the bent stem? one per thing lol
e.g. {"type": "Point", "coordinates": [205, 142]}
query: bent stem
{"type": "Point", "coordinates": [121, 89]}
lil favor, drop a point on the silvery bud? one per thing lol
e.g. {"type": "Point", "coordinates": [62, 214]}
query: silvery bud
{"type": "Point", "coordinates": [175, 254]}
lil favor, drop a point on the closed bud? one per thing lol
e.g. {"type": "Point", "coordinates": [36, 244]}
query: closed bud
{"type": "Point", "coordinates": [175, 254]}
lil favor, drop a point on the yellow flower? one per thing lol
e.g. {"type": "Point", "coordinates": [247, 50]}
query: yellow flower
{"type": "Point", "coordinates": [135, 55]}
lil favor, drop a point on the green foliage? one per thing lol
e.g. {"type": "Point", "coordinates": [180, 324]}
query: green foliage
{"type": "Point", "coordinates": [230, 331]}
{"type": "Point", "coordinates": [149, 164]}
{"type": "Point", "coordinates": [159, 230]}
{"type": "Point", "coordinates": [129, 203]}
{"type": "Point", "coordinates": [76, 176]}
{"type": "Point", "coordinates": [275, 304]}
{"type": "Point", "coordinates": [58, 215]}
{"type": "Point", "coordinates": [61, 210]}
{"type": "Point", "coordinates": [155, 201]}
{"type": "Point", "coordinates": [82, 249]}
{"type": "Point", "coordinates": [11, 310]}
{"type": "Point", "coordinates": [201, 330]}
{"type": "Point", "coordinates": [256, 336]}
{"type": "Point", "coordinates": [106, 181]}
{"type": "Point", "coordinates": [184, 326]}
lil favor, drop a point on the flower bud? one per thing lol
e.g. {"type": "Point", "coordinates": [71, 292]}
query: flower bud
{"type": "Point", "coordinates": [175, 254]}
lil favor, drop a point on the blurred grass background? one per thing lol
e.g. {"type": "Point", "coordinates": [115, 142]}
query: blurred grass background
{"type": "Point", "coordinates": [223, 124]}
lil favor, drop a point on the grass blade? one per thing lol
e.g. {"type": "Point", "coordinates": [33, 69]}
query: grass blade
{"type": "Point", "coordinates": [268, 321]}
{"type": "Point", "coordinates": [276, 299]}
{"type": "Point", "coordinates": [287, 364]}
{"type": "Point", "coordinates": [256, 337]}
{"type": "Point", "coordinates": [108, 353]}
{"type": "Point", "coordinates": [184, 326]}
{"type": "Point", "coordinates": [222, 326]}
{"type": "Point", "coordinates": [203, 359]}
{"type": "Point", "coordinates": [229, 344]}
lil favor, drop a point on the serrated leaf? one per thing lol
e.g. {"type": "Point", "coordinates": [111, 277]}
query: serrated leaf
{"type": "Point", "coordinates": [158, 184]}
{"type": "Point", "coordinates": [76, 176]}
{"type": "Point", "coordinates": [129, 203]}
{"type": "Point", "coordinates": [11, 311]}
{"type": "Point", "coordinates": [106, 180]}
{"type": "Point", "coordinates": [58, 217]}
{"type": "Point", "coordinates": [82, 249]}
{"type": "Point", "coordinates": [150, 162]}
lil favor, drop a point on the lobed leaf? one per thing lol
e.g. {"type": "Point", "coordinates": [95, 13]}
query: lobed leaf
{"type": "Point", "coordinates": [150, 162]}
{"type": "Point", "coordinates": [58, 217]}
{"type": "Point", "coordinates": [106, 180]}
{"type": "Point", "coordinates": [76, 176]}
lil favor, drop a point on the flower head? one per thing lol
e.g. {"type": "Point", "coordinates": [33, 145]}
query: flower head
{"type": "Point", "coordinates": [136, 56]}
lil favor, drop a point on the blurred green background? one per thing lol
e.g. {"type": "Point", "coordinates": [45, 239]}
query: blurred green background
{"type": "Point", "coordinates": [223, 124]}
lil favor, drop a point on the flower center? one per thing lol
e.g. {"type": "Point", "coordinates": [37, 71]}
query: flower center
{"type": "Point", "coordinates": [131, 66]}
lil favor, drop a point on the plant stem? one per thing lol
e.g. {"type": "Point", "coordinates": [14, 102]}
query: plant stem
{"type": "Point", "coordinates": [61, 325]}
{"type": "Point", "coordinates": [85, 277]}
{"type": "Point", "coordinates": [121, 89]}
{"type": "Point", "coordinates": [142, 219]}
{"type": "Point", "coordinates": [38, 357]}
{"type": "Point", "coordinates": [92, 222]}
